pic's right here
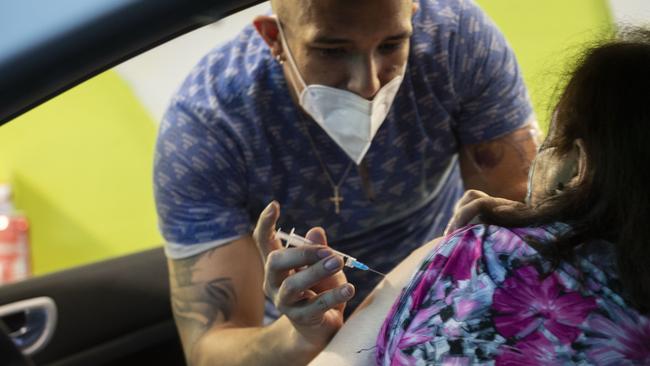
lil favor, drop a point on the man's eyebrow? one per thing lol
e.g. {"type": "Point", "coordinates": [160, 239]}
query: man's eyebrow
{"type": "Point", "coordinates": [331, 40]}
{"type": "Point", "coordinates": [398, 37]}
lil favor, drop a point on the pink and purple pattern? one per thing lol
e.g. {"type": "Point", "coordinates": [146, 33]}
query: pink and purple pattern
{"type": "Point", "coordinates": [484, 296]}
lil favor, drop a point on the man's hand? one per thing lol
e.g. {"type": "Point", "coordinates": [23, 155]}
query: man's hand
{"type": "Point", "coordinates": [471, 204]}
{"type": "Point", "coordinates": [305, 284]}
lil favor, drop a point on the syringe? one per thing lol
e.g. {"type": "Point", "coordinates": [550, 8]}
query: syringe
{"type": "Point", "coordinates": [296, 240]}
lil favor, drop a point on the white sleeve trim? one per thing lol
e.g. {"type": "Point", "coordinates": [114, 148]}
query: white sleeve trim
{"type": "Point", "coordinates": [182, 251]}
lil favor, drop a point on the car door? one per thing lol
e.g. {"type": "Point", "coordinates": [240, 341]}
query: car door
{"type": "Point", "coordinates": [117, 311]}
{"type": "Point", "coordinates": [114, 312]}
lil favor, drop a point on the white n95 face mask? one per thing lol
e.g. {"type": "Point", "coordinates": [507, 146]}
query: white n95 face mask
{"type": "Point", "coordinates": [350, 120]}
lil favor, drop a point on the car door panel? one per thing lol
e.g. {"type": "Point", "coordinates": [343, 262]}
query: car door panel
{"type": "Point", "coordinates": [109, 312]}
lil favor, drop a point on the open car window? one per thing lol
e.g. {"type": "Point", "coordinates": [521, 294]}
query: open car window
{"type": "Point", "coordinates": [79, 165]}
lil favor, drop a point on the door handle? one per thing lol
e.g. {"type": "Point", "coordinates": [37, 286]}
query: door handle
{"type": "Point", "coordinates": [40, 316]}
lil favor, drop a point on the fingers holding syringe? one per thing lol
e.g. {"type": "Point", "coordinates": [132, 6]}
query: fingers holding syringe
{"type": "Point", "coordinates": [312, 312]}
{"type": "Point", "coordinates": [317, 235]}
{"type": "Point", "coordinates": [284, 263]}
{"type": "Point", "coordinates": [293, 288]}
{"type": "Point", "coordinates": [264, 233]}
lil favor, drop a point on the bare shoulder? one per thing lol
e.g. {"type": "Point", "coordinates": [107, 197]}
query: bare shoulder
{"type": "Point", "coordinates": [398, 278]}
{"type": "Point", "coordinates": [355, 342]}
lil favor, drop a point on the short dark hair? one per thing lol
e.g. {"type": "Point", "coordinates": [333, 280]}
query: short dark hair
{"type": "Point", "coordinates": [606, 103]}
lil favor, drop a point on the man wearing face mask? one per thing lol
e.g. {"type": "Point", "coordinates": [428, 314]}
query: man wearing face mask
{"type": "Point", "coordinates": [367, 119]}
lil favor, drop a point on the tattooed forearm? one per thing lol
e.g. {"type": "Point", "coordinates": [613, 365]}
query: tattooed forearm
{"type": "Point", "coordinates": [220, 293]}
{"type": "Point", "coordinates": [183, 270]}
{"type": "Point", "coordinates": [205, 302]}
{"type": "Point", "coordinates": [199, 301]}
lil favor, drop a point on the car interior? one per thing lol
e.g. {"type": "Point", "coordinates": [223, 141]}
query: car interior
{"type": "Point", "coordinates": [53, 47]}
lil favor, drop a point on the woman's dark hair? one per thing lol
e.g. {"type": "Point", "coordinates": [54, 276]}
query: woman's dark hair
{"type": "Point", "coordinates": [606, 103]}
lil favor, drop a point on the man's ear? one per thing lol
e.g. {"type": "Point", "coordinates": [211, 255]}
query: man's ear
{"type": "Point", "coordinates": [267, 27]}
{"type": "Point", "coordinates": [415, 8]}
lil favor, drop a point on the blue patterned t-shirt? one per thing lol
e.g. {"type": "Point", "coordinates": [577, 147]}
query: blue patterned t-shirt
{"type": "Point", "coordinates": [233, 140]}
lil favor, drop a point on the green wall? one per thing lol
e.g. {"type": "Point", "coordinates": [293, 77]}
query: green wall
{"type": "Point", "coordinates": [81, 163]}
{"type": "Point", "coordinates": [546, 36]}
{"type": "Point", "coordinates": [80, 166]}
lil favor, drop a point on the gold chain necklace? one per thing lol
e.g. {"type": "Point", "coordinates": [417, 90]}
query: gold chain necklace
{"type": "Point", "coordinates": [336, 197]}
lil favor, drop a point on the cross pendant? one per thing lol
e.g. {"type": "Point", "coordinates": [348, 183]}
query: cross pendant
{"type": "Point", "coordinates": [337, 199]}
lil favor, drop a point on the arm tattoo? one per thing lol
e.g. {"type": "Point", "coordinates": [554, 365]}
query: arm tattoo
{"type": "Point", "coordinates": [198, 304]}
{"type": "Point", "coordinates": [490, 154]}
{"type": "Point", "coordinates": [184, 269]}
{"type": "Point", "coordinates": [221, 295]}
{"type": "Point", "coordinates": [487, 156]}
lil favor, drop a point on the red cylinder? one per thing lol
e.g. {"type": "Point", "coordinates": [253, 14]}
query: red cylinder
{"type": "Point", "coordinates": [15, 259]}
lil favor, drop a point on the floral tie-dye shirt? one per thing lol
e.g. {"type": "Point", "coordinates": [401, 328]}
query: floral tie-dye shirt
{"type": "Point", "coordinates": [484, 296]}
